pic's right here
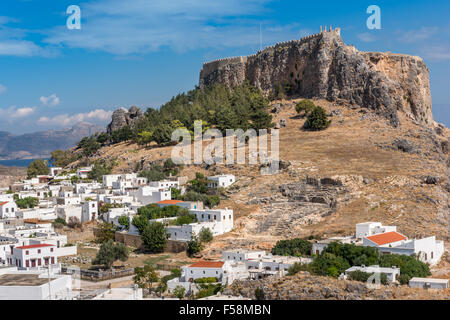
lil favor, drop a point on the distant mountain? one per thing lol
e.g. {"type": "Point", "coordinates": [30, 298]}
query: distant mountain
{"type": "Point", "coordinates": [42, 143]}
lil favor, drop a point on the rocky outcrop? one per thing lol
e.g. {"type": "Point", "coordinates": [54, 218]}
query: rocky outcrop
{"type": "Point", "coordinates": [322, 66]}
{"type": "Point", "coordinates": [123, 117]}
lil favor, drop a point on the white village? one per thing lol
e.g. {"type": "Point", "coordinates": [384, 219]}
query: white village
{"type": "Point", "coordinates": [35, 257]}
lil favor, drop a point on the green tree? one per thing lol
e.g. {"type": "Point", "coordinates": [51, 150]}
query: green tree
{"type": "Point", "coordinates": [293, 247]}
{"type": "Point", "coordinates": [28, 202]}
{"type": "Point", "coordinates": [145, 138]}
{"type": "Point", "coordinates": [38, 167]}
{"type": "Point", "coordinates": [155, 237]}
{"type": "Point", "coordinates": [145, 276]}
{"type": "Point", "coordinates": [305, 106]}
{"type": "Point", "coordinates": [141, 222]}
{"type": "Point", "coordinates": [179, 292]}
{"type": "Point", "coordinates": [60, 158]}
{"type": "Point", "coordinates": [154, 173]}
{"type": "Point", "coordinates": [194, 245]}
{"type": "Point", "coordinates": [110, 252]}
{"type": "Point", "coordinates": [106, 232]}
{"type": "Point", "coordinates": [89, 146]}
{"type": "Point", "coordinates": [99, 170]}
{"type": "Point", "coordinates": [317, 119]}
{"type": "Point", "coordinates": [175, 193]}
{"type": "Point", "coordinates": [205, 235]}
{"type": "Point", "coordinates": [124, 221]}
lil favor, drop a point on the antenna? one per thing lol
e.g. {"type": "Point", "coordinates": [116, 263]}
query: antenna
{"type": "Point", "coordinates": [260, 37]}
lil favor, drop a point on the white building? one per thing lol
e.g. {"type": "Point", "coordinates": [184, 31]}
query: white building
{"type": "Point", "coordinates": [66, 212]}
{"type": "Point", "coordinates": [367, 229]}
{"type": "Point", "coordinates": [242, 255]}
{"type": "Point", "coordinates": [392, 274]}
{"type": "Point", "coordinates": [54, 171]}
{"type": "Point", "coordinates": [34, 285]}
{"type": "Point", "coordinates": [83, 172]}
{"type": "Point", "coordinates": [37, 213]}
{"type": "Point", "coordinates": [270, 265]}
{"type": "Point", "coordinates": [218, 221]}
{"type": "Point", "coordinates": [221, 181]}
{"type": "Point", "coordinates": [89, 211]}
{"type": "Point", "coordinates": [164, 184]}
{"type": "Point", "coordinates": [428, 283]}
{"type": "Point", "coordinates": [147, 195]}
{"type": "Point", "coordinates": [387, 239]}
{"type": "Point", "coordinates": [8, 209]}
{"type": "Point", "coordinates": [319, 245]}
{"type": "Point", "coordinates": [120, 294]}
{"type": "Point", "coordinates": [429, 250]}
{"type": "Point", "coordinates": [32, 256]}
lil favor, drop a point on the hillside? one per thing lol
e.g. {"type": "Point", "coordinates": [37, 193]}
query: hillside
{"type": "Point", "coordinates": [41, 144]}
{"type": "Point", "coordinates": [9, 175]}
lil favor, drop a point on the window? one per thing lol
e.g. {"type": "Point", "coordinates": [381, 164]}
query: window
{"type": "Point", "coordinates": [6, 210]}
{"type": "Point", "coordinates": [39, 250]}
{"type": "Point", "coordinates": [203, 271]}
{"type": "Point", "coordinates": [431, 254]}
{"type": "Point", "coordinates": [27, 252]}
{"type": "Point", "coordinates": [217, 272]}
{"type": "Point", "coordinates": [27, 263]}
{"type": "Point", "coordinates": [51, 249]}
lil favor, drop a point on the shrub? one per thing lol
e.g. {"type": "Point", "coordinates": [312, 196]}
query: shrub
{"type": "Point", "coordinates": [205, 235]}
{"type": "Point", "coordinates": [293, 247]}
{"type": "Point", "coordinates": [74, 222]}
{"type": "Point", "coordinates": [179, 292]}
{"type": "Point", "coordinates": [305, 106]}
{"type": "Point", "coordinates": [361, 276]}
{"type": "Point", "coordinates": [297, 267]}
{"type": "Point", "coordinates": [106, 232]}
{"type": "Point", "coordinates": [194, 246]}
{"type": "Point", "coordinates": [206, 280]}
{"type": "Point", "coordinates": [28, 202]}
{"type": "Point", "coordinates": [317, 119]}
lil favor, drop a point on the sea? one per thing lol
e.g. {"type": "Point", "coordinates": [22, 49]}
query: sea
{"type": "Point", "coordinates": [18, 163]}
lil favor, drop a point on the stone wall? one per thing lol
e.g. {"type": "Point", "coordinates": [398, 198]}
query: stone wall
{"type": "Point", "coordinates": [135, 241]}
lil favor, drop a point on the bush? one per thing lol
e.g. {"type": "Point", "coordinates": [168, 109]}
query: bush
{"type": "Point", "coordinates": [206, 280]}
{"type": "Point", "coordinates": [179, 292]}
{"type": "Point", "coordinates": [305, 106]}
{"type": "Point", "coordinates": [124, 221]}
{"type": "Point", "coordinates": [297, 267]}
{"type": "Point", "coordinates": [205, 235]}
{"type": "Point", "coordinates": [28, 202]}
{"type": "Point", "coordinates": [99, 170]}
{"type": "Point", "coordinates": [317, 119]}
{"type": "Point", "coordinates": [194, 246]}
{"type": "Point", "coordinates": [294, 247]}
{"type": "Point", "coordinates": [37, 167]}
{"type": "Point", "coordinates": [361, 276]}
{"type": "Point", "coordinates": [209, 290]}
{"type": "Point", "coordinates": [74, 222]}
{"type": "Point", "coordinates": [106, 232]}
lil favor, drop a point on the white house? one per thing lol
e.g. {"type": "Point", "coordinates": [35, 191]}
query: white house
{"type": "Point", "coordinates": [428, 250]}
{"type": "Point", "coordinates": [8, 209]}
{"type": "Point", "coordinates": [34, 285]}
{"type": "Point", "coordinates": [54, 171]}
{"type": "Point", "coordinates": [392, 274]}
{"type": "Point", "coordinates": [218, 221]}
{"type": "Point", "coordinates": [83, 172]}
{"type": "Point", "coordinates": [66, 212]}
{"type": "Point", "coordinates": [269, 265]}
{"type": "Point", "coordinates": [242, 255]}
{"type": "Point", "coordinates": [147, 195]}
{"type": "Point", "coordinates": [366, 229]}
{"type": "Point", "coordinates": [32, 256]}
{"type": "Point", "coordinates": [164, 184]}
{"type": "Point", "coordinates": [428, 283]}
{"type": "Point", "coordinates": [387, 239]}
{"type": "Point", "coordinates": [220, 181]}
{"type": "Point", "coordinates": [89, 211]}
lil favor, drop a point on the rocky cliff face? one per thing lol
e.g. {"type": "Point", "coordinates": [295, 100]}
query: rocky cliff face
{"type": "Point", "coordinates": [122, 117]}
{"type": "Point", "coordinates": [322, 66]}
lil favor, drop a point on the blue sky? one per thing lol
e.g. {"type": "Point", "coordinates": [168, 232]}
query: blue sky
{"type": "Point", "coordinates": [142, 52]}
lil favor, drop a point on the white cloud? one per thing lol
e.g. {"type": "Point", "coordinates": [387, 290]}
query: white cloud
{"type": "Point", "coordinates": [50, 101]}
{"type": "Point", "coordinates": [2, 89]}
{"type": "Point", "coordinates": [98, 115]}
{"type": "Point", "coordinates": [140, 26]}
{"type": "Point", "coordinates": [422, 34]}
{"type": "Point", "coordinates": [436, 52]}
{"type": "Point", "coordinates": [14, 113]}
{"type": "Point", "coordinates": [366, 37]}
{"type": "Point", "coordinates": [23, 112]}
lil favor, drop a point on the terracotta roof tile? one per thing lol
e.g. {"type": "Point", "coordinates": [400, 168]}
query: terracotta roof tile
{"type": "Point", "coordinates": [385, 238]}
{"type": "Point", "coordinates": [207, 264]}
{"type": "Point", "coordinates": [32, 246]}
{"type": "Point", "coordinates": [169, 201]}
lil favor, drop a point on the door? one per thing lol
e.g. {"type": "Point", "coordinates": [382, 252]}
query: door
{"type": "Point", "coordinates": [33, 263]}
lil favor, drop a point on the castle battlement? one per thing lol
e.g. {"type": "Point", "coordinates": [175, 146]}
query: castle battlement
{"type": "Point", "coordinates": [243, 59]}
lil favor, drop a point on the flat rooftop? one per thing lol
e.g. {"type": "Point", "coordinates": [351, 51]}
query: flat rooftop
{"type": "Point", "coordinates": [26, 280]}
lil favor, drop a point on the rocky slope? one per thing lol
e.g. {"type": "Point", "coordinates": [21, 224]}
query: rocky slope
{"type": "Point", "coordinates": [41, 144]}
{"type": "Point", "coordinates": [323, 66]}
{"type": "Point", "coordinates": [304, 286]}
